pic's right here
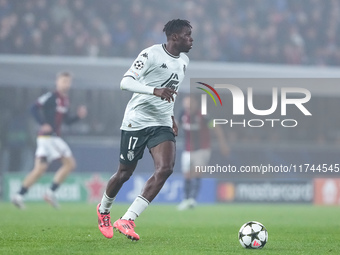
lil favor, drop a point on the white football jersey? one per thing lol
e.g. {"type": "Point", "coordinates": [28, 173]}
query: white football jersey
{"type": "Point", "coordinates": [154, 67]}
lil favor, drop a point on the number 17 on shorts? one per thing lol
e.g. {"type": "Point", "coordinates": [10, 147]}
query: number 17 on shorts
{"type": "Point", "coordinates": [131, 147]}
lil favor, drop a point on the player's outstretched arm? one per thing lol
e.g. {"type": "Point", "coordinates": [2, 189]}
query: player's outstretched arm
{"type": "Point", "coordinates": [130, 84]}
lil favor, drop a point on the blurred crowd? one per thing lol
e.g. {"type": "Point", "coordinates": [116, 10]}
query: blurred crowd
{"type": "Point", "coordinates": [298, 32]}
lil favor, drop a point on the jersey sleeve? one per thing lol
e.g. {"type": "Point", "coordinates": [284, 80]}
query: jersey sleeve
{"type": "Point", "coordinates": [42, 100]}
{"type": "Point", "coordinates": [141, 65]}
{"type": "Point", "coordinates": [36, 107]}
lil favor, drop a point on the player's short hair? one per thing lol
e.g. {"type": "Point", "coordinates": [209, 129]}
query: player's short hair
{"type": "Point", "coordinates": [175, 26]}
{"type": "Point", "coordinates": [64, 74]}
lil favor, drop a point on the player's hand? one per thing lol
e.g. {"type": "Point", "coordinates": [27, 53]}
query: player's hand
{"type": "Point", "coordinates": [165, 94]}
{"type": "Point", "coordinates": [46, 129]}
{"type": "Point", "coordinates": [82, 111]}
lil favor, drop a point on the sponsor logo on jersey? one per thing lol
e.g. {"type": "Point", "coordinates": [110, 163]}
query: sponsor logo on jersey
{"type": "Point", "coordinates": [145, 55]}
{"type": "Point", "coordinates": [164, 66]}
{"type": "Point", "coordinates": [172, 82]}
{"type": "Point", "coordinates": [60, 107]}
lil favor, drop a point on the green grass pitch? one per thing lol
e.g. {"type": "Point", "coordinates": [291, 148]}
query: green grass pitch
{"type": "Point", "coordinates": [207, 229]}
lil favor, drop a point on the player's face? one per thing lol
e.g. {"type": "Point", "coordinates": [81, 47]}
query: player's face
{"type": "Point", "coordinates": [185, 40]}
{"type": "Point", "coordinates": [64, 83]}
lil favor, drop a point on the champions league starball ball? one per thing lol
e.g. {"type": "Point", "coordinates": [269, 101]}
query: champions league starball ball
{"type": "Point", "coordinates": [253, 235]}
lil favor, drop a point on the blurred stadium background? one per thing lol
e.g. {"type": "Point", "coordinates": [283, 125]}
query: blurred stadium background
{"type": "Point", "coordinates": [97, 41]}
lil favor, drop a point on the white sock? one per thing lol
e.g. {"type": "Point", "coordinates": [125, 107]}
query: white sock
{"type": "Point", "coordinates": [50, 192]}
{"type": "Point", "coordinates": [106, 203]}
{"type": "Point", "coordinates": [19, 197]}
{"type": "Point", "coordinates": [136, 208]}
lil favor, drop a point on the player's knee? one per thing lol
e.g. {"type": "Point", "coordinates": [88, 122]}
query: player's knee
{"type": "Point", "coordinates": [70, 163]}
{"type": "Point", "coordinates": [124, 175]}
{"type": "Point", "coordinates": [40, 166]}
{"type": "Point", "coordinates": [164, 171]}
{"type": "Point", "coordinates": [73, 165]}
{"type": "Point", "coordinates": [39, 171]}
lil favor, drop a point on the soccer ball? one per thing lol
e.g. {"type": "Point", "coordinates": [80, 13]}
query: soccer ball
{"type": "Point", "coordinates": [253, 235]}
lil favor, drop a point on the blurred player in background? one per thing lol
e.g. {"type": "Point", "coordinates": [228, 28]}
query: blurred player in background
{"type": "Point", "coordinates": [197, 149]}
{"type": "Point", "coordinates": [50, 111]}
{"type": "Point", "coordinates": [154, 77]}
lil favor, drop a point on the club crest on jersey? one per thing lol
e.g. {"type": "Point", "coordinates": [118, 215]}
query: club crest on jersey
{"type": "Point", "coordinates": [130, 155]}
{"type": "Point", "coordinates": [139, 64]}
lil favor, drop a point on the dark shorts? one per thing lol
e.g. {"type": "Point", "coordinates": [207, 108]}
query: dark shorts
{"type": "Point", "coordinates": [133, 143]}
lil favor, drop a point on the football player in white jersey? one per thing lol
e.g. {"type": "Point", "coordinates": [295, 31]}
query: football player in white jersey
{"type": "Point", "coordinates": [154, 77]}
